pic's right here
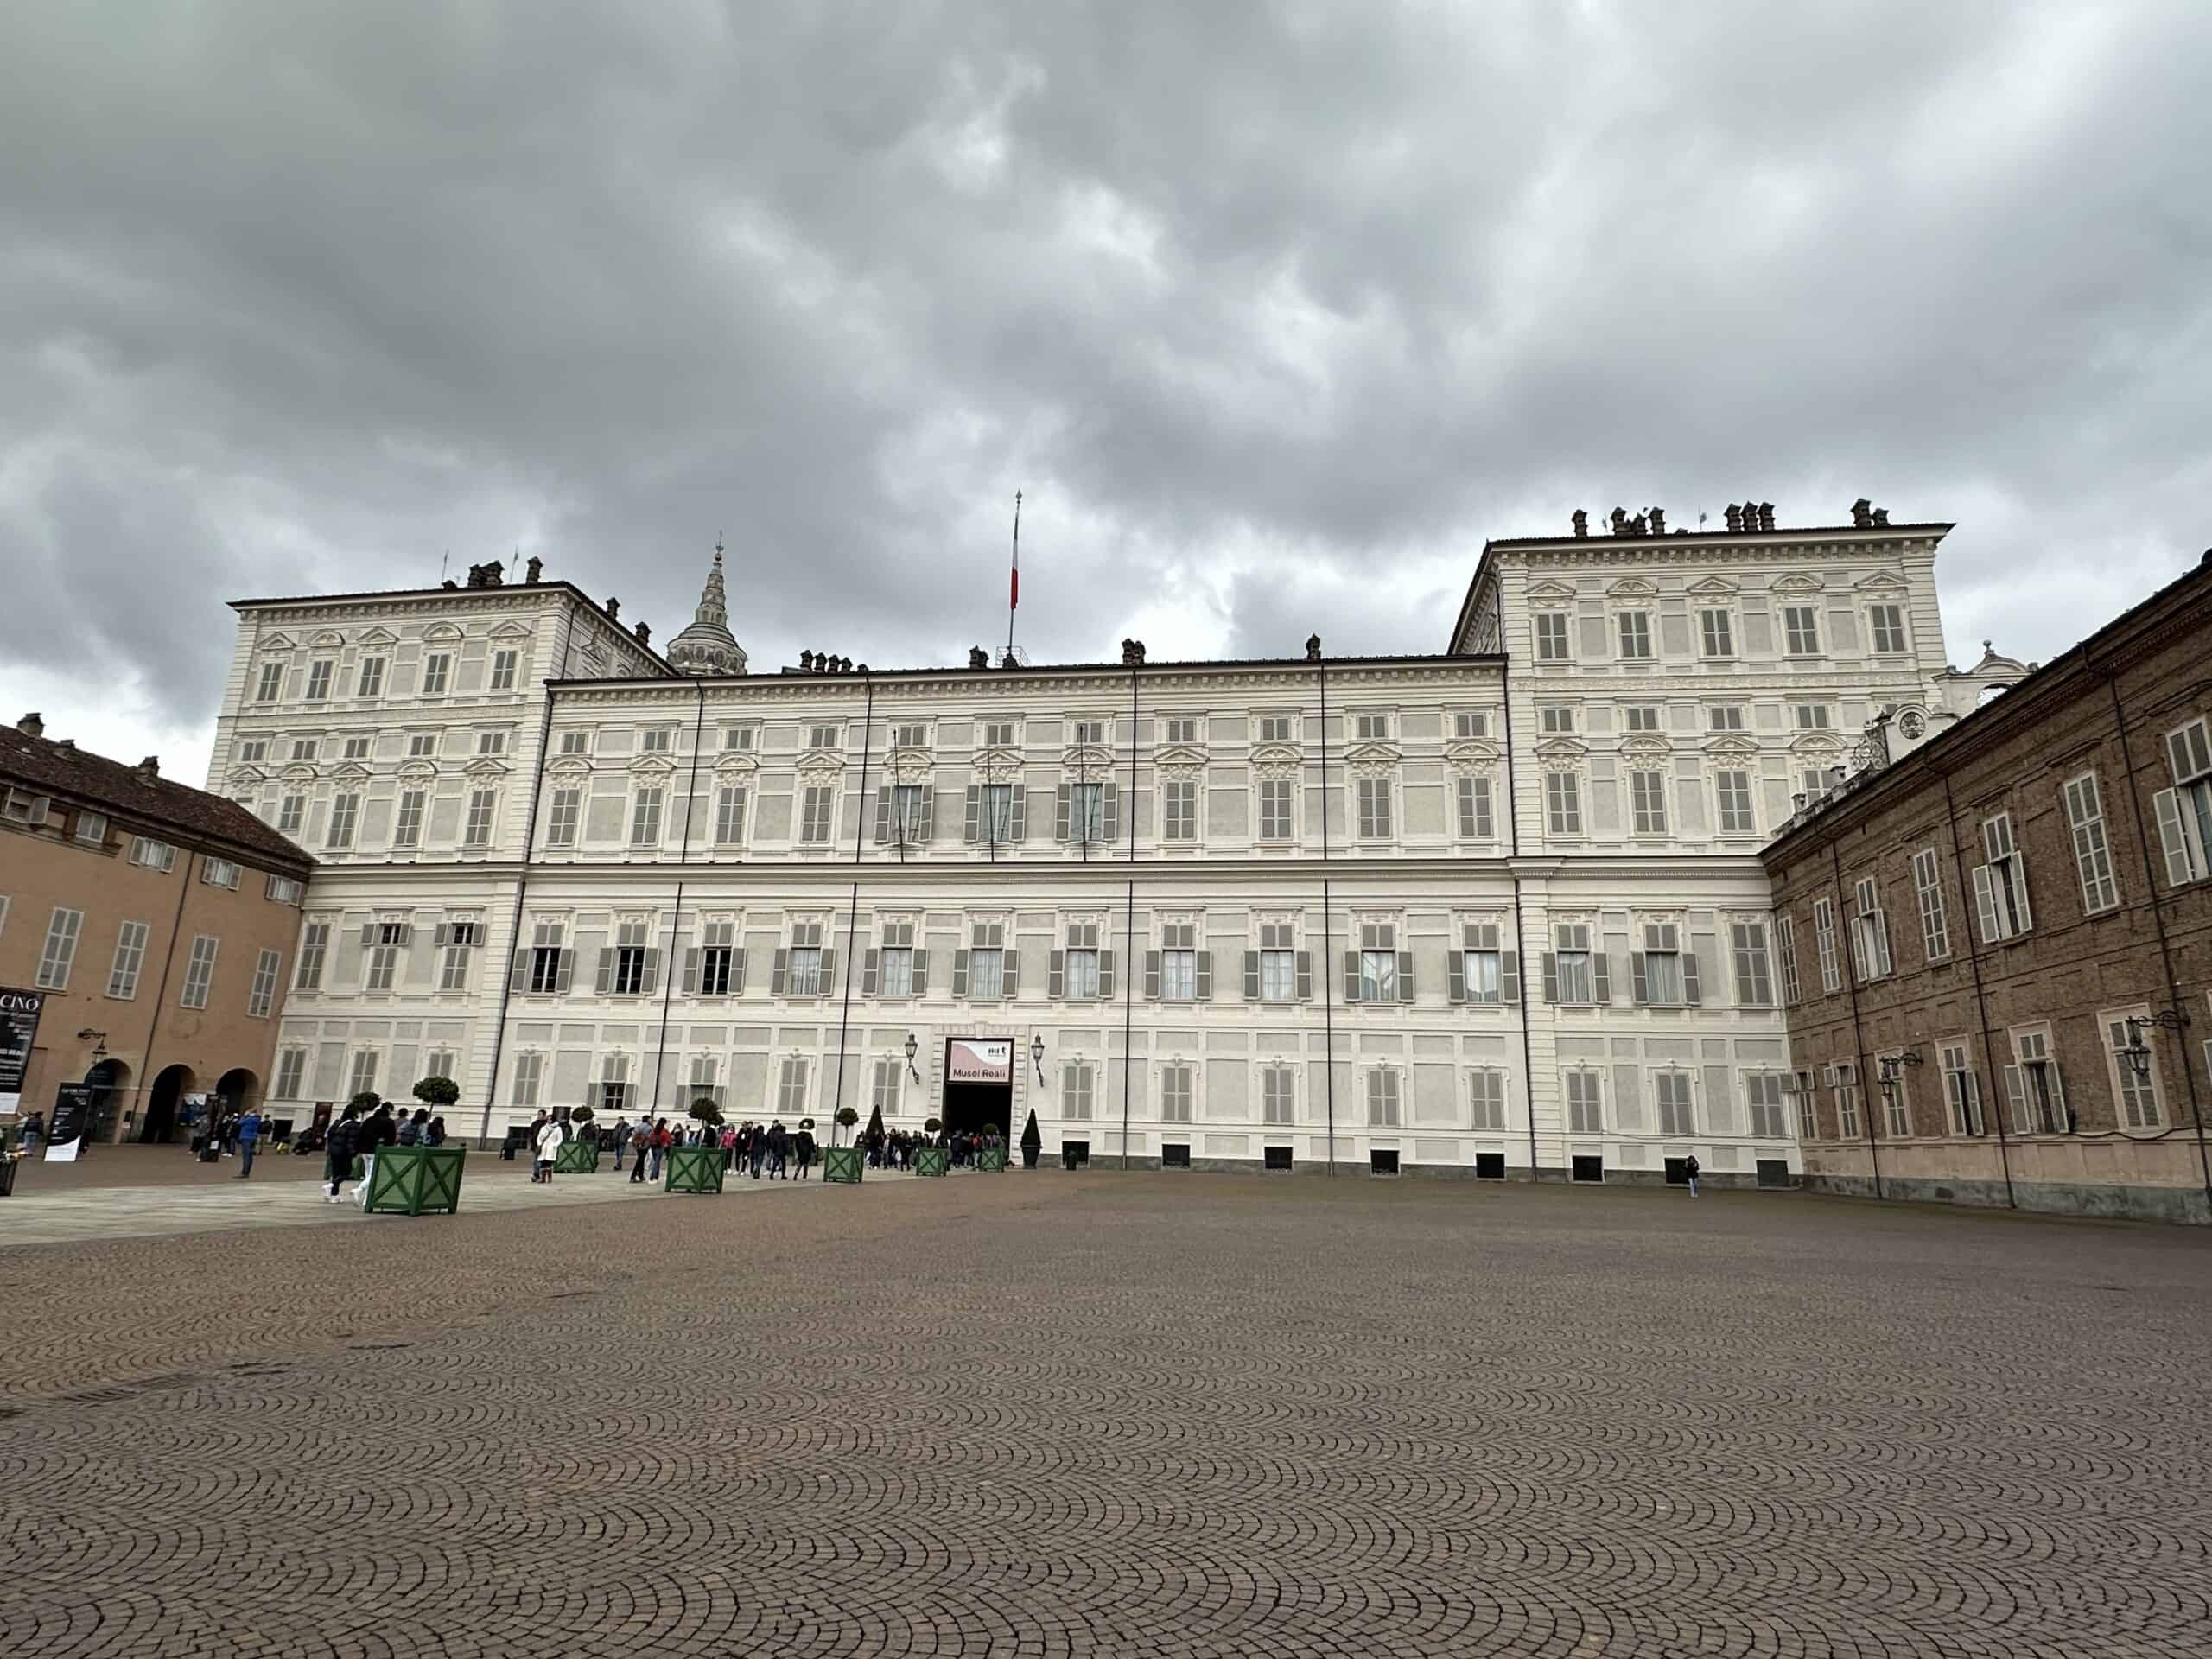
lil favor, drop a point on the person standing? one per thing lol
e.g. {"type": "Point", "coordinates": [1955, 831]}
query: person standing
{"type": "Point", "coordinates": [621, 1141]}
{"type": "Point", "coordinates": [338, 1152]}
{"type": "Point", "coordinates": [803, 1151]}
{"type": "Point", "coordinates": [249, 1138]}
{"type": "Point", "coordinates": [779, 1149]}
{"type": "Point", "coordinates": [662, 1141]}
{"type": "Point", "coordinates": [640, 1139]}
{"type": "Point", "coordinates": [375, 1131]}
{"type": "Point", "coordinates": [550, 1137]}
{"type": "Point", "coordinates": [1689, 1172]}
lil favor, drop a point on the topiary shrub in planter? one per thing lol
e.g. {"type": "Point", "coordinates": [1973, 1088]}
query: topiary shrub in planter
{"type": "Point", "coordinates": [416, 1182]}
{"type": "Point", "coordinates": [1032, 1142]}
{"type": "Point", "coordinates": [438, 1093]}
{"type": "Point", "coordinates": [990, 1160]}
{"type": "Point", "coordinates": [845, 1119]}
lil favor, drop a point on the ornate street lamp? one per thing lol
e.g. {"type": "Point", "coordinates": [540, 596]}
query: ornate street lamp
{"type": "Point", "coordinates": [912, 1049]}
{"type": "Point", "coordinates": [2137, 1052]}
{"type": "Point", "coordinates": [1036, 1054]}
{"type": "Point", "coordinates": [1892, 1071]}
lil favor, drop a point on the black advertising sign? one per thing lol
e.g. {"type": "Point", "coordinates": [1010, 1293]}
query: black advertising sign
{"type": "Point", "coordinates": [19, 1013]}
{"type": "Point", "coordinates": [73, 1117]}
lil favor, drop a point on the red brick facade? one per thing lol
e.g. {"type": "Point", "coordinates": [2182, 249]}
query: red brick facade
{"type": "Point", "coordinates": [2037, 874]}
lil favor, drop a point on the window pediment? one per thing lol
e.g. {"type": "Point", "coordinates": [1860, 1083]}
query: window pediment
{"type": "Point", "coordinates": [379, 637]}
{"type": "Point", "coordinates": [1564, 749]}
{"type": "Point", "coordinates": [329, 639]}
{"type": "Point", "coordinates": [1180, 754]}
{"type": "Point", "coordinates": [488, 766]}
{"type": "Point", "coordinates": [911, 766]}
{"type": "Point", "coordinates": [1817, 744]}
{"type": "Point", "coordinates": [1796, 581]}
{"type": "Point", "coordinates": [653, 766]}
{"type": "Point", "coordinates": [1646, 743]}
{"type": "Point", "coordinates": [1549, 593]}
{"type": "Point", "coordinates": [1277, 754]}
{"type": "Point", "coordinates": [1372, 754]}
{"type": "Point", "coordinates": [244, 776]}
{"type": "Point", "coordinates": [1885, 582]}
{"type": "Point", "coordinates": [511, 630]}
{"type": "Point", "coordinates": [417, 769]}
{"type": "Point", "coordinates": [351, 772]}
{"type": "Point", "coordinates": [735, 763]}
{"type": "Point", "coordinates": [442, 632]}
{"type": "Point", "coordinates": [300, 772]}
{"type": "Point", "coordinates": [1471, 751]}
{"type": "Point", "coordinates": [278, 642]}
{"type": "Point", "coordinates": [1629, 588]}
{"type": "Point", "coordinates": [1087, 754]}
{"type": "Point", "coordinates": [1732, 745]}
{"type": "Point", "coordinates": [1712, 588]}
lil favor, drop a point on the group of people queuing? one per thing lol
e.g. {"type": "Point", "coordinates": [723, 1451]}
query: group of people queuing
{"type": "Point", "coordinates": [895, 1148]}
{"type": "Point", "coordinates": [358, 1133]}
{"type": "Point", "coordinates": [763, 1149]}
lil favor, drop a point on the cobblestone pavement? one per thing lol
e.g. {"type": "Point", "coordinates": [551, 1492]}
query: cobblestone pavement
{"type": "Point", "coordinates": [1104, 1414]}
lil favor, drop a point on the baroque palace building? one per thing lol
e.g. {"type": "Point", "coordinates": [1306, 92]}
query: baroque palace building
{"type": "Point", "coordinates": [1492, 912]}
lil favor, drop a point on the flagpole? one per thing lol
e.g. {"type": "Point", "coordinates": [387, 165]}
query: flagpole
{"type": "Point", "coordinates": [1013, 584]}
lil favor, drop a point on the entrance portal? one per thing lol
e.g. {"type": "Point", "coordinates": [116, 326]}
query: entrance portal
{"type": "Point", "coordinates": [162, 1105]}
{"type": "Point", "coordinates": [979, 1085]}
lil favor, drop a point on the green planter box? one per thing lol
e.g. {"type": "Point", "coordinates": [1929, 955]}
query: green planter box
{"type": "Point", "coordinates": [931, 1161]}
{"type": "Point", "coordinates": [577, 1157]}
{"type": "Point", "coordinates": [416, 1182]}
{"type": "Point", "coordinates": [694, 1169]}
{"type": "Point", "coordinates": [991, 1159]}
{"type": "Point", "coordinates": [842, 1165]}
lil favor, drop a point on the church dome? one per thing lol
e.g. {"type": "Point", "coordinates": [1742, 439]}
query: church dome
{"type": "Point", "coordinates": [708, 647]}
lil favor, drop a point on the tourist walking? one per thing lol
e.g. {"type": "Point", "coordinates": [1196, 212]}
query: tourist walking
{"type": "Point", "coordinates": [338, 1152]}
{"type": "Point", "coordinates": [661, 1140]}
{"type": "Point", "coordinates": [249, 1137]}
{"type": "Point", "coordinates": [550, 1138]}
{"type": "Point", "coordinates": [1689, 1172]}
{"type": "Point", "coordinates": [621, 1141]}
{"type": "Point", "coordinates": [803, 1151]}
{"type": "Point", "coordinates": [640, 1139]}
{"type": "Point", "coordinates": [373, 1131]}
{"type": "Point", "coordinates": [779, 1151]}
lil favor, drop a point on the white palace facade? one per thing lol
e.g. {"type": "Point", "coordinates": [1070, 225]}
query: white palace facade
{"type": "Point", "coordinates": [1486, 913]}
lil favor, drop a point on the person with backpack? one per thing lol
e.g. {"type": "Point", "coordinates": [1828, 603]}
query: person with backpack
{"type": "Point", "coordinates": [621, 1141]}
{"type": "Point", "coordinates": [641, 1141]}
{"type": "Point", "coordinates": [338, 1152]}
{"type": "Point", "coordinates": [661, 1140]}
{"type": "Point", "coordinates": [374, 1131]}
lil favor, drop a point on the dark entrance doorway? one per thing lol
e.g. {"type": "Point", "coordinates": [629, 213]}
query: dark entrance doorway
{"type": "Point", "coordinates": [979, 1085]}
{"type": "Point", "coordinates": [163, 1104]}
{"type": "Point", "coordinates": [106, 1081]}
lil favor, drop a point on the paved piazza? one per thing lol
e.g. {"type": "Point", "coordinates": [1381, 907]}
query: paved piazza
{"type": "Point", "coordinates": [1144, 1414]}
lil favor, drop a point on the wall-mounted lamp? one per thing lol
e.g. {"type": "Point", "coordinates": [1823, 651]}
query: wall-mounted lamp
{"type": "Point", "coordinates": [912, 1049]}
{"type": "Point", "coordinates": [1037, 1055]}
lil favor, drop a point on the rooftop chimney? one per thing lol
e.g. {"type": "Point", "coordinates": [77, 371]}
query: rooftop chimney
{"type": "Point", "coordinates": [1312, 647]}
{"type": "Point", "coordinates": [978, 657]}
{"type": "Point", "coordinates": [1132, 653]}
{"type": "Point", "coordinates": [1581, 522]}
{"type": "Point", "coordinates": [614, 607]}
{"type": "Point", "coordinates": [1766, 515]}
{"type": "Point", "coordinates": [645, 634]}
{"type": "Point", "coordinates": [1862, 513]}
{"type": "Point", "coordinates": [1735, 517]}
{"type": "Point", "coordinates": [65, 742]}
{"type": "Point", "coordinates": [150, 767]}
{"type": "Point", "coordinates": [533, 570]}
{"type": "Point", "coordinates": [806, 662]}
{"type": "Point", "coordinates": [32, 725]}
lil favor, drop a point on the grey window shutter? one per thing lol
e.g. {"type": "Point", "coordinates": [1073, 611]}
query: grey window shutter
{"type": "Point", "coordinates": [928, 828]}
{"type": "Point", "coordinates": [737, 972]}
{"type": "Point", "coordinates": [690, 986]}
{"type": "Point", "coordinates": [960, 973]}
{"type": "Point", "coordinates": [439, 934]}
{"type": "Point", "coordinates": [1015, 826]}
{"type": "Point", "coordinates": [1056, 976]}
{"type": "Point", "coordinates": [1691, 994]}
{"type": "Point", "coordinates": [1455, 975]}
{"type": "Point", "coordinates": [1205, 976]}
{"type": "Point", "coordinates": [1638, 988]}
{"type": "Point", "coordinates": [1600, 986]}
{"type": "Point", "coordinates": [1352, 976]}
{"type": "Point", "coordinates": [1110, 831]}
{"type": "Point", "coordinates": [883, 814]}
{"type": "Point", "coordinates": [1405, 976]}
{"type": "Point", "coordinates": [1306, 975]}
{"type": "Point", "coordinates": [974, 832]}
{"type": "Point", "coordinates": [2016, 1091]}
{"type": "Point", "coordinates": [921, 972]}
{"type": "Point", "coordinates": [870, 961]}
{"type": "Point", "coordinates": [1509, 976]}
{"type": "Point", "coordinates": [1252, 976]}
{"type": "Point", "coordinates": [1011, 976]}
{"type": "Point", "coordinates": [519, 972]}
{"type": "Point", "coordinates": [780, 973]}
{"type": "Point", "coordinates": [1060, 831]}
{"type": "Point", "coordinates": [1551, 978]}
{"type": "Point", "coordinates": [1151, 975]}
{"type": "Point", "coordinates": [1105, 973]}
{"type": "Point", "coordinates": [651, 981]}
{"type": "Point", "coordinates": [829, 971]}
{"type": "Point", "coordinates": [606, 981]}
{"type": "Point", "coordinates": [567, 973]}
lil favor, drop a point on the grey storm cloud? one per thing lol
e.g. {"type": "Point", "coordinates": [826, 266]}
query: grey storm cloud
{"type": "Point", "coordinates": [1274, 312]}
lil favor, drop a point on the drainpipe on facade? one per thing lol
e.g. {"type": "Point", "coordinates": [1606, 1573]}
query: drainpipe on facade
{"type": "Point", "coordinates": [148, 1070]}
{"type": "Point", "coordinates": [1848, 962]}
{"type": "Point", "coordinates": [852, 915]}
{"type": "Point", "coordinates": [676, 921]}
{"type": "Point", "coordinates": [1980, 997]}
{"type": "Point", "coordinates": [1329, 967]}
{"type": "Point", "coordinates": [1520, 925]}
{"type": "Point", "coordinates": [1130, 967]}
{"type": "Point", "coordinates": [514, 933]}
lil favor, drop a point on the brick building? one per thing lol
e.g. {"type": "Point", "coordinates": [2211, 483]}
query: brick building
{"type": "Point", "coordinates": [1996, 949]}
{"type": "Point", "coordinates": [155, 921]}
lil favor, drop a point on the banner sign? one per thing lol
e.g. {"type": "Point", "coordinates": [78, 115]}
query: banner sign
{"type": "Point", "coordinates": [971, 1059]}
{"type": "Point", "coordinates": [72, 1117]}
{"type": "Point", "coordinates": [19, 1013]}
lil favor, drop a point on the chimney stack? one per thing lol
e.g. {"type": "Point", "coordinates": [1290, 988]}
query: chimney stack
{"type": "Point", "coordinates": [32, 725]}
{"type": "Point", "coordinates": [534, 570]}
{"type": "Point", "coordinates": [645, 634]}
{"type": "Point", "coordinates": [614, 607]}
{"type": "Point", "coordinates": [1132, 653]}
{"type": "Point", "coordinates": [1312, 647]}
{"type": "Point", "coordinates": [150, 767]}
{"type": "Point", "coordinates": [978, 657]}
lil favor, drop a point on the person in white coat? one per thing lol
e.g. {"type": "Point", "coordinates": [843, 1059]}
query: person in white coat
{"type": "Point", "coordinates": [550, 1138]}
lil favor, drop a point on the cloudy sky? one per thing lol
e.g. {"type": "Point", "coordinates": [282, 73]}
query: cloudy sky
{"type": "Point", "coordinates": [1274, 313]}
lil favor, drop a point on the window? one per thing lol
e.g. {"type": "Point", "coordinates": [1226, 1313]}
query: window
{"type": "Point", "coordinates": [1562, 803]}
{"type": "Point", "coordinates": [284, 890]}
{"type": "Point", "coordinates": [644, 816]}
{"type": "Point", "coordinates": [406, 823]}
{"type": "Point", "coordinates": [314, 941]}
{"type": "Point", "coordinates": [790, 1086]}
{"type": "Point", "coordinates": [1716, 633]}
{"type": "Point", "coordinates": [1731, 791]}
{"type": "Point", "coordinates": [491, 742]}
{"type": "Point", "coordinates": [253, 751]}
{"type": "Point", "coordinates": [632, 968]}
{"type": "Point", "coordinates": [1896, 1104]}
{"type": "Point", "coordinates": [383, 942]}
{"type": "Point", "coordinates": [822, 737]}
{"type": "Point", "coordinates": [424, 746]}
{"type": "Point", "coordinates": [1079, 1091]}
{"type": "Point", "coordinates": [1092, 733]}
{"type": "Point", "coordinates": [1372, 726]}
{"type": "Point", "coordinates": [1888, 628]}
{"type": "Point", "coordinates": [477, 831]}
{"type": "Point", "coordinates": [1277, 963]}
{"type": "Point", "coordinates": [910, 737]}
{"type": "Point", "coordinates": [363, 1075]}
{"type": "Point", "coordinates": [1641, 717]}
{"type": "Point", "coordinates": [199, 973]}
{"type": "Point", "coordinates": [615, 1084]}
{"type": "Point", "coordinates": [2037, 1093]}
{"type": "Point", "coordinates": [529, 1074]}
{"type": "Point", "coordinates": [1817, 783]}
{"type": "Point", "coordinates": [1275, 809]}
{"type": "Point", "coordinates": [25, 808]}
{"type": "Point", "coordinates": [1724, 716]}
{"type": "Point", "coordinates": [1551, 636]}
{"type": "Point", "coordinates": [1928, 893]}
{"type": "Point", "coordinates": [2137, 1097]}
{"type": "Point", "coordinates": [1585, 1110]}
{"type": "Point", "coordinates": [305, 749]}
{"type": "Point", "coordinates": [370, 681]}
{"type": "Point", "coordinates": [1081, 979]}
{"type": "Point", "coordinates": [1808, 1103]}
{"type": "Point", "coordinates": [1175, 1094]}
{"type": "Point", "coordinates": [1754, 983]}
{"type": "Point", "coordinates": [157, 854]}
{"type": "Point", "coordinates": [1486, 1097]}
{"type": "Point", "coordinates": [657, 740]}
{"type": "Point", "coordinates": [2000, 886]}
{"type": "Point", "coordinates": [319, 674]}
{"type": "Point", "coordinates": [1843, 1077]}
{"type": "Point", "coordinates": [220, 873]}
{"type": "Point", "coordinates": [736, 738]}
{"type": "Point", "coordinates": [1373, 799]}
{"type": "Point", "coordinates": [1379, 979]}
{"type": "Point", "coordinates": [561, 820]}
{"type": "Point", "coordinates": [1785, 951]}
{"type": "Point", "coordinates": [1812, 717]}
{"type": "Point", "coordinates": [1635, 630]}
{"type": "Point", "coordinates": [1870, 933]}
{"type": "Point", "coordinates": [460, 938]}
{"type": "Point", "coordinates": [1087, 812]}
{"type": "Point", "coordinates": [355, 748]}
{"type": "Point", "coordinates": [2184, 812]}
{"type": "Point", "coordinates": [1672, 1092]}
{"type": "Point", "coordinates": [1646, 795]}
{"type": "Point", "coordinates": [729, 815]}
{"type": "Point", "coordinates": [437, 671]}
{"type": "Point", "coordinates": [719, 973]}
{"type": "Point", "coordinates": [805, 962]}
{"type": "Point", "coordinates": [1179, 809]}
{"type": "Point", "coordinates": [546, 966]}
{"type": "Point", "coordinates": [291, 1074]}
{"type": "Point", "coordinates": [1824, 940]}
{"type": "Point", "coordinates": [291, 813]}
{"type": "Point", "coordinates": [2085, 815]}
{"type": "Point", "coordinates": [1555, 721]}
{"type": "Point", "coordinates": [1476, 820]}
{"type": "Point", "coordinates": [91, 828]}
{"type": "Point", "coordinates": [1962, 1089]}
{"type": "Point", "coordinates": [1665, 975]}
{"type": "Point", "coordinates": [344, 813]}
{"type": "Point", "coordinates": [1763, 1092]}
{"type": "Point", "coordinates": [1574, 974]}
{"type": "Point", "coordinates": [815, 810]}
{"type": "Point", "coordinates": [1470, 725]}
{"type": "Point", "coordinates": [129, 956]}
{"type": "Point", "coordinates": [1278, 1095]}
{"type": "Point", "coordinates": [1482, 969]}
{"type": "Point", "coordinates": [1178, 729]}
{"type": "Point", "coordinates": [994, 814]}
{"type": "Point", "coordinates": [442, 1062]}
{"type": "Point", "coordinates": [1274, 728]}
{"type": "Point", "coordinates": [894, 966]}
{"type": "Point", "coordinates": [1180, 961]}
{"type": "Point", "coordinates": [1382, 1103]}
{"type": "Point", "coordinates": [503, 670]}
{"type": "Point", "coordinates": [1801, 629]}
{"type": "Point", "coordinates": [262, 996]}
{"type": "Point", "coordinates": [271, 684]}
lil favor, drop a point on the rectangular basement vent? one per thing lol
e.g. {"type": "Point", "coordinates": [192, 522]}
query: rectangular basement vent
{"type": "Point", "coordinates": [1588, 1168]}
{"type": "Point", "coordinates": [1277, 1157]}
{"type": "Point", "coordinates": [1174, 1155]}
{"type": "Point", "coordinates": [1381, 1163]}
{"type": "Point", "coordinates": [1489, 1166]}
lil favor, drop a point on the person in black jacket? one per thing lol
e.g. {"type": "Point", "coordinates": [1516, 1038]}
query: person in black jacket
{"type": "Point", "coordinates": [1689, 1172]}
{"type": "Point", "coordinates": [338, 1151]}
{"type": "Point", "coordinates": [375, 1131]}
